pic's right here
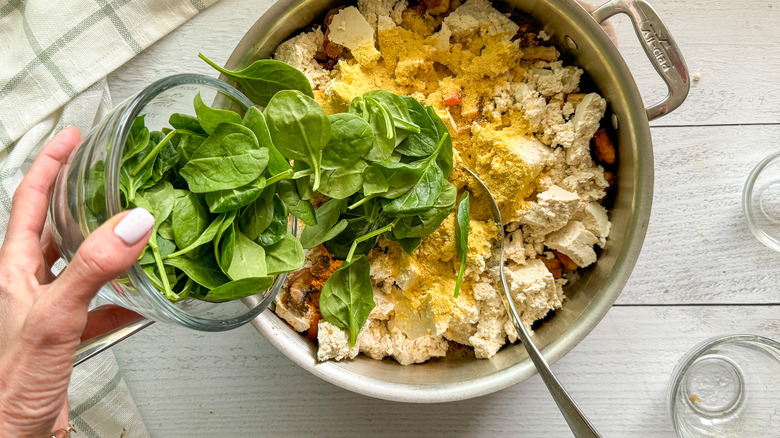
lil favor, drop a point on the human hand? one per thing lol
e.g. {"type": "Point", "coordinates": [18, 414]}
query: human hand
{"type": "Point", "coordinates": [42, 318]}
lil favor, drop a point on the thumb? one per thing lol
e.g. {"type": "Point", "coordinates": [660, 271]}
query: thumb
{"type": "Point", "coordinates": [107, 252]}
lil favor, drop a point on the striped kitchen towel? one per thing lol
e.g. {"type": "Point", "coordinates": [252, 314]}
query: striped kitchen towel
{"type": "Point", "coordinates": [54, 57]}
{"type": "Point", "coordinates": [51, 50]}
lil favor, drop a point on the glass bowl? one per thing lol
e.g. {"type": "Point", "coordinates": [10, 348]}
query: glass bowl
{"type": "Point", "coordinates": [727, 386]}
{"type": "Point", "coordinates": [761, 201]}
{"type": "Point", "coordinates": [75, 210]}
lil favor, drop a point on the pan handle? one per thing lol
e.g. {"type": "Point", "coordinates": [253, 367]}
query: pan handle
{"type": "Point", "coordinates": [659, 47]}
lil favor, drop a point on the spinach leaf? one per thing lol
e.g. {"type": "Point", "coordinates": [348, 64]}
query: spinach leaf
{"type": "Point", "coordinates": [164, 247]}
{"type": "Point", "coordinates": [137, 139]}
{"type": "Point", "coordinates": [255, 120]}
{"type": "Point", "coordinates": [209, 118]}
{"type": "Point", "coordinates": [420, 197]}
{"type": "Point", "coordinates": [278, 227]}
{"type": "Point", "coordinates": [359, 224]}
{"type": "Point", "coordinates": [231, 199]}
{"type": "Point", "coordinates": [381, 122]}
{"type": "Point", "coordinates": [305, 184]}
{"type": "Point", "coordinates": [185, 121]}
{"type": "Point", "coordinates": [203, 270]}
{"type": "Point", "coordinates": [257, 216]}
{"type": "Point", "coordinates": [237, 289]}
{"type": "Point", "coordinates": [165, 230]}
{"type": "Point", "coordinates": [285, 255]}
{"type": "Point", "coordinates": [299, 128]}
{"type": "Point", "coordinates": [224, 242]}
{"type": "Point", "coordinates": [187, 146]}
{"type": "Point", "coordinates": [398, 108]}
{"type": "Point", "coordinates": [425, 191]}
{"type": "Point", "coordinates": [427, 222]}
{"type": "Point", "coordinates": [347, 297]}
{"type": "Point", "coordinates": [166, 159]}
{"type": "Point", "coordinates": [397, 177]}
{"type": "Point", "coordinates": [190, 218]}
{"type": "Point", "coordinates": [343, 182]}
{"type": "Point", "coordinates": [328, 224]}
{"type": "Point", "coordinates": [95, 187]}
{"type": "Point", "coordinates": [130, 184]}
{"type": "Point", "coordinates": [374, 181]}
{"type": "Point", "coordinates": [227, 159]}
{"type": "Point", "coordinates": [214, 228]}
{"type": "Point", "coordinates": [248, 259]}
{"type": "Point", "coordinates": [265, 78]}
{"type": "Point", "coordinates": [444, 158]}
{"type": "Point", "coordinates": [423, 143]}
{"type": "Point", "coordinates": [462, 237]}
{"type": "Point", "coordinates": [299, 208]}
{"type": "Point", "coordinates": [157, 200]}
{"type": "Point", "coordinates": [351, 137]}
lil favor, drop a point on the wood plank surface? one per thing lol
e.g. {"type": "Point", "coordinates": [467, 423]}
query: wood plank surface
{"type": "Point", "coordinates": [235, 384]}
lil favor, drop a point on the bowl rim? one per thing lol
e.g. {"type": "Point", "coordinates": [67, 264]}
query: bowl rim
{"type": "Point", "coordinates": [635, 121]}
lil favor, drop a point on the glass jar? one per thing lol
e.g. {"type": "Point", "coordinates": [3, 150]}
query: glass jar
{"type": "Point", "coordinates": [87, 193]}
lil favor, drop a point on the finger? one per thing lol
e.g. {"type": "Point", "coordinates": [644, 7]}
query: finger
{"type": "Point", "coordinates": [107, 318]}
{"type": "Point", "coordinates": [31, 199]}
{"type": "Point", "coordinates": [106, 253]}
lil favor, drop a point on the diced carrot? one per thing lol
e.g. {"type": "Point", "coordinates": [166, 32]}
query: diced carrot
{"type": "Point", "coordinates": [453, 99]}
{"type": "Point", "coordinates": [565, 260]}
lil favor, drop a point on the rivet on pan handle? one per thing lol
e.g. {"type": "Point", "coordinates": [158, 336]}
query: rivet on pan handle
{"type": "Point", "coordinates": [659, 47]}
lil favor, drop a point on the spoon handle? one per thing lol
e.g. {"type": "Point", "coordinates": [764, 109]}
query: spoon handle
{"type": "Point", "coordinates": [578, 423]}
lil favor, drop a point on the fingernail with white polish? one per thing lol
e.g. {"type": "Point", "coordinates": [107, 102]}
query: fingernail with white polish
{"type": "Point", "coordinates": [134, 226]}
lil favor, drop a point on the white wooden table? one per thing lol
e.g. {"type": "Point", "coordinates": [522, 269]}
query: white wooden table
{"type": "Point", "coordinates": [700, 273]}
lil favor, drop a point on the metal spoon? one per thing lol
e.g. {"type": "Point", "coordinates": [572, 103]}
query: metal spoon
{"type": "Point", "coordinates": [576, 419]}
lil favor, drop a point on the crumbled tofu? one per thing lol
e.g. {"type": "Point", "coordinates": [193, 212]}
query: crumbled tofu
{"type": "Point", "coordinates": [299, 52]}
{"type": "Point", "coordinates": [377, 342]}
{"type": "Point", "coordinates": [552, 210]}
{"type": "Point", "coordinates": [334, 343]}
{"type": "Point", "coordinates": [479, 17]}
{"type": "Point", "coordinates": [514, 250]}
{"type": "Point", "coordinates": [555, 80]}
{"type": "Point", "coordinates": [533, 289]}
{"type": "Point", "coordinates": [490, 335]}
{"type": "Point", "coordinates": [508, 164]}
{"type": "Point", "coordinates": [594, 218]}
{"type": "Point", "coordinates": [586, 121]}
{"type": "Point", "coordinates": [575, 242]}
{"type": "Point", "coordinates": [518, 118]}
{"type": "Point", "coordinates": [373, 9]}
{"type": "Point", "coordinates": [350, 29]}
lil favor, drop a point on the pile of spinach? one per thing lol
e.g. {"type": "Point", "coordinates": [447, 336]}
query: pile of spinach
{"type": "Point", "coordinates": [385, 170]}
{"type": "Point", "coordinates": [383, 167]}
{"type": "Point", "coordinates": [219, 191]}
{"type": "Point", "coordinates": [221, 186]}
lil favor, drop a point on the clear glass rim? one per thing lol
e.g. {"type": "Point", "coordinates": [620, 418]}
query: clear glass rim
{"type": "Point", "coordinates": [747, 204]}
{"type": "Point", "coordinates": [697, 351]}
{"type": "Point", "coordinates": [135, 273]}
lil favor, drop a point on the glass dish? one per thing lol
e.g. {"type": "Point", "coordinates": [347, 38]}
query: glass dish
{"type": "Point", "coordinates": [74, 213]}
{"type": "Point", "coordinates": [727, 386]}
{"type": "Point", "coordinates": [761, 201]}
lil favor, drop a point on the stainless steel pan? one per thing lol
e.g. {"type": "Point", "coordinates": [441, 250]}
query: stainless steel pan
{"type": "Point", "coordinates": [460, 375]}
